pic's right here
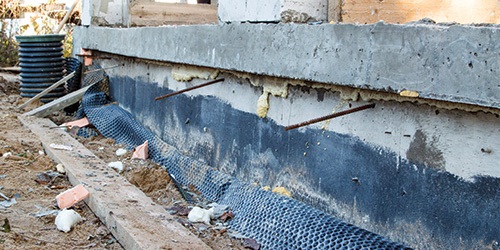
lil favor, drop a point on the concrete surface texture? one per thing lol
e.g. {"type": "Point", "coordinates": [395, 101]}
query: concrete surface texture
{"type": "Point", "coordinates": [260, 10]}
{"type": "Point", "coordinates": [269, 11]}
{"type": "Point", "coordinates": [458, 64]}
{"type": "Point", "coordinates": [402, 170]}
{"type": "Point", "coordinates": [105, 12]}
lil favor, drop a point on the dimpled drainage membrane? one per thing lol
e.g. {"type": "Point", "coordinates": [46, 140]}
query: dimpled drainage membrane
{"type": "Point", "coordinates": [275, 221]}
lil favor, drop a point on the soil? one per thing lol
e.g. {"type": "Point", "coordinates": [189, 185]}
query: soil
{"type": "Point", "coordinates": [22, 167]}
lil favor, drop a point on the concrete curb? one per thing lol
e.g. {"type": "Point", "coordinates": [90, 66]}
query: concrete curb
{"type": "Point", "coordinates": [132, 217]}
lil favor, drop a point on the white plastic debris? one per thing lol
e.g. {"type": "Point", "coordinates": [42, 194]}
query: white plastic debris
{"type": "Point", "coordinates": [67, 219]}
{"type": "Point", "coordinates": [41, 152]}
{"type": "Point", "coordinates": [116, 165]}
{"type": "Point", "coordinates": [100, 148]}
{"type": "Point", "coordinates": [5, 155]}
{"type": "Point", "coordinates": [61, 147]}
{"type": "Point", "coordinates": [198, 214]}
{"type": "Point", "coordinates": [60, 168]}
{"type": "Point", "coordinates": [121, 151]}
{"type": "Point", "coordinates": [46, 212]}
{"type": "Point", "coordinates": [8, 203]}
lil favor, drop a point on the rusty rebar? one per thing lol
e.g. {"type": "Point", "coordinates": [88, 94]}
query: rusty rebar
{"type": "Point", "coordinates": [189, 89]}
{"type": "Point", "coordinates": [327, 117]}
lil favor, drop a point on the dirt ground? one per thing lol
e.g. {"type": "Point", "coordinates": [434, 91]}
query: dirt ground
{"type": "Point", "coordinates": [29, 177]}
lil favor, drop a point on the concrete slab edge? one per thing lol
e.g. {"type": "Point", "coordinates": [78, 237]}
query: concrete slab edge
{"type": "Point", "coordinates": [451, 63]}
{"type": "Point", "coordinates": [132, 217]}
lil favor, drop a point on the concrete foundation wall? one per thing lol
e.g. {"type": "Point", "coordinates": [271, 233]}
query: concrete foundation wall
{"type": "Point", "coordinates": [388, 169]}
{"type": "Point", "coordinates": [424, 173]}
{"type": "Point", "coordinates": [450, 63]}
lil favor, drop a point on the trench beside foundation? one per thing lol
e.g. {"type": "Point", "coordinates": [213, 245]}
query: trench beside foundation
{"type": "Point", "coordinates": [132, 217]}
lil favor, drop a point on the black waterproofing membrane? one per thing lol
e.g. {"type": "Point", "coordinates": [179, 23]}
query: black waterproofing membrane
{"type": "Point", "coordinates": [274, 220]}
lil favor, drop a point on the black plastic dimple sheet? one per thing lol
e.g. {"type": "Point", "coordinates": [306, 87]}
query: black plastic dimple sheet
{"type": "Point", "coordinates": [275, 221]}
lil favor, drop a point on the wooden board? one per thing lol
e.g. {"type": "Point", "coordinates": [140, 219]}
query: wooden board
{"type": "Point", "coordinates": [403, 11]}
{"type": "Point", "coordinates": [47, 90]}
{"type": "Point", "coordinates": [335, 11]}
{"type": "Point", "coordinates": [148, 13]}
{"type": "Point", "coordinates": [57, 104]}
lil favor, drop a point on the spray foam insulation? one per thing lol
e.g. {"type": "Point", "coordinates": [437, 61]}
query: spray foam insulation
{"type": "Point", "coordinates": [185, 73]}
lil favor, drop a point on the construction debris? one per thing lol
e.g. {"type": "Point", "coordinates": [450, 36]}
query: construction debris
{"type": "Point", "coordinates": [141, 151]}
{"type": "Point", "coordinates": [46, 213]}
{"type": "Point", "coordinates": [8, 203]}
{"type": "Point", "coordinates": [116, 165]}
{"type": "Point", "coordinates": [72, 196]}
{"type": "Point", "coordinates": [60, 168]}
{"type": "Point", "coordinates": [199, 214]}
{"type": "Point", "coordinates": [179, 210]}
{"type": "Point", "coordinates": [79, 123]}
{"type": "Point", "coordinates": [61, 147]}
{"type": "Point", "coordinates": [67, 219]}
{"type": "Point", "coordinates": [251, 244]}
{"type": "Point", "coordinates": [121, 151]}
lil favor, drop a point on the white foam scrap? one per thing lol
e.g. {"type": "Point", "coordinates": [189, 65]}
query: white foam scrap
{"type": "Point", "coordinates": [198, 214]}
{"type": "Point", "coordinates": [120, 152]}
{"type": "Point", "coordinates": [59, 146]}
{"type": "Point", "coordinates": [60, 168]}
{"type": "Point", "coordinates": [67, 219]}
{"type": "Point", "coordinates": [116, 165]}
{"type": "Point", "coordinates": [41, 152]}
{"type": "Point", "coordinates": [5, 155]}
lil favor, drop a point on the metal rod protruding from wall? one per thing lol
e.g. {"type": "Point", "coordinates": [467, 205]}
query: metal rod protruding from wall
{"type": "Point", "coordinates": [327, 117]}
{"type": "Point", "coordinates": [189, 89]}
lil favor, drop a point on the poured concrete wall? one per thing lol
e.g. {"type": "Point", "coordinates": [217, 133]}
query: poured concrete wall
{"type": "Point", "coordinates": [419, 171]}
{"type": "Point", "coordinates": [451, 63]}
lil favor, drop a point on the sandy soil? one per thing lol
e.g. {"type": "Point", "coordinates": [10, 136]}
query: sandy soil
{"type": "Point", "coordinates": [21, 177]}
{"type": "Point", "coordinates": [22, 163]}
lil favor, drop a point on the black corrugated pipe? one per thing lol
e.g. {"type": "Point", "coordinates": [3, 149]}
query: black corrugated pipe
{"type": "Point", "coordinates": [42, 64]}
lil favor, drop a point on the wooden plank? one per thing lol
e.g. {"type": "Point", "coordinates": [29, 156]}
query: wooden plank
{"type": "Point", "coordinates": [335, 11]}
{"type": "Point", "coordinates": [58, 104]}
{"type": "Point", "coordinates": [148, 13]}
{"type": "Point", "coordinates": [15, 70]}
{"type": "Point", "coordinates": [403, 11]}
{"type": "Point", "coordinates": [47, 90]}
{"type": "Point", "coordinates": [132, 217]}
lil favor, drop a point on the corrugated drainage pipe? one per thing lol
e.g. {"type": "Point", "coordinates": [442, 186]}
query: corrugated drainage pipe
{"type": "Point", "coordinates": [42, 64]}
